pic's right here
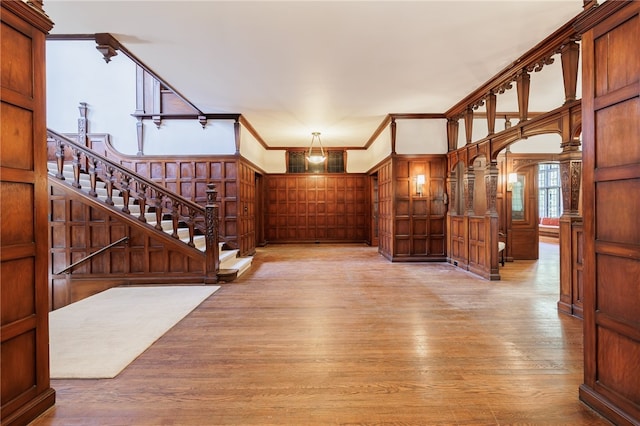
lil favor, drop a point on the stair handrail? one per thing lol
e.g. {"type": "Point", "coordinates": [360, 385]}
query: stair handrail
{"type": "Point", "coordinates": [144, 191]}
{"type": "Point", "coordinates": [95, 253]}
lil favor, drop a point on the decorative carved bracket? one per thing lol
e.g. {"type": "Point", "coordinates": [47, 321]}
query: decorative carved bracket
{"type": "Point", "coordinates": [107, 45]}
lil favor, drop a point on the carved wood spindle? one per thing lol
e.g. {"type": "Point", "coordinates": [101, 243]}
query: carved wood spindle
{"type": "Point", "coordinates": [93, 162]}
{"type": "Point", "coordinates": [60, 159]}
{"type": "Point", "coordinates": [452, 134]}
{"type": "Point", "coordinates": [491, 103]}
{"type": "Point", "coordinates": [523, 84]}
{"type": "Point", "coordinates": [140, 135]}
{"type": "Point", "coordinates": [125, 192]}
{"type": "Point", "coordinates": [159, 210]}
{"type": "Point", "coordinates": [191, 225]}
{"type": "Point", "coordinates": [175, 218]}
{"type": "Point", "coordinates": [109, 185]}
{"type": "Point", "coordinates": [570, 57]}
{"type": "Point", "coordinates": [212, 259]}
{"type": "Point", "coordinates": [82, 124]}
{"type": "Point", "coordinates": [76, 168]}
{"type": "Point", "coordinates": [142, 201]}
{"type": "Point", "coordinates": [468, 124]}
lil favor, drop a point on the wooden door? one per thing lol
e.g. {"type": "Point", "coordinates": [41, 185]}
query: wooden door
{"type": "Point", "coordinates": [374, 210]}
{"type": "Point", "coordinates": [26, 390]}
{"type": "Point", "coordinates": [524, 214]}
{"type": "Point", "coordinates": [611, 195]}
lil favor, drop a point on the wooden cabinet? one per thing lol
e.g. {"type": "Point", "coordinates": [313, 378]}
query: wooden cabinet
{"type": "Point", "coordinates": [26, 390]}
{"type": "Point", "coordinates": [611, 194]}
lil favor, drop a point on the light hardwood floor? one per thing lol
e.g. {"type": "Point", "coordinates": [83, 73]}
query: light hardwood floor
{"type": "Point", "coordinates": [336, 334]}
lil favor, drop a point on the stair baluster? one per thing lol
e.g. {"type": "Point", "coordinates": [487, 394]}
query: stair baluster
{"type": "Point", "coordinates": [125, 192]}
{"type": "Point", "coordinates": [175, 219]}
{"type": "Point", "coordinates": [92, 176]}
{"type": "Point", "coordinates": [60, 159]}
{"type": "Point", "coordinates": [76, 168]}
{"type": "Point", "coordinates": [142, 200]}
{"type": "Point", "coordinates": [191, 226]}
{"type": "Point", "coordinates": [109, 185]}
{"type": "Point", "coordinates": [158, 205]}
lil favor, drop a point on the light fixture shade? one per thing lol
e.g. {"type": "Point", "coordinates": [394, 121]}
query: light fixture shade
{"type": "Point", "coordinates": [315, 155]}
{"type": "Point", "coordinates": [420, 179]}
{"type": "Point", "coordinates": [513, 178]}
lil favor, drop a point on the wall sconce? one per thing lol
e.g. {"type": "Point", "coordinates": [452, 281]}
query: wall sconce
{"type": "Point", "coordinates": [419, 185]}
{"type": "Point", "coordinates": [513, 178]}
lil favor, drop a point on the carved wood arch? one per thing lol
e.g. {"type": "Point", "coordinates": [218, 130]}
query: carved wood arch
{"type": "Point", "coordinates": [565, 121]}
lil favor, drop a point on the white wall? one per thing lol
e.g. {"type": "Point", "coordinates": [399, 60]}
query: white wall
{"type": "Point", "coordinates": [361, 161]}
{"type": "Point", "coordinates": [76, 72]}
{"type": "Point", "coordinates": [421, 136]}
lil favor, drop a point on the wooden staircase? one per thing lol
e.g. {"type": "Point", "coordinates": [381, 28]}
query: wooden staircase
{"type": "Point", "coordinates": [144, 204]}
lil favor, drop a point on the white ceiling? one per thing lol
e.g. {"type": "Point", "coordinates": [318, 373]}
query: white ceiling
{"type": "Point", "coordinates": [337, 67]}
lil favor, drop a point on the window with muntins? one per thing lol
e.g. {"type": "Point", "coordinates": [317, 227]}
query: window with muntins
{"type": "Point", "coordinates": [549, 190]}
{"type": "Point", "coordinates": [333, 163]}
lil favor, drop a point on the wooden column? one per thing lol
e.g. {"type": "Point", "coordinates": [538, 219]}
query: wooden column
{"type": "Point", "coordinates": [523, 82]}
{"type": "Point", "coordinates": [393, 136]}
{"type": "Point", "coordinates": [468, 125]}
{"type": "Point", "coordinates": [212, 222]}
{"type": "Point", "coordinates": [491, 113]}
{"type": "Point", "coordinates": [469, 186]}
{"type": "Point", "coordinates": [570, 179]}
{"type": "Point", "coordinates": [452, 134]}
{"type": "Point", "coordinates": [236, 133]}
{"type": "Point", "coordinates": [491, 220]}
{"type": "Point", "coordinates": [570, 55]}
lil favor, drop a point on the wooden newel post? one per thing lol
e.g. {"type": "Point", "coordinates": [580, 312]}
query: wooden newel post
{"type": "Point", "coordinates": [211, 218]}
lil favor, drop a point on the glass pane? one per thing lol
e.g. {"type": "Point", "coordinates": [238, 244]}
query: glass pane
{"type": "Point", "coordinates": [296, 162]}
{"type": "Point", "coordinates": [554, 198]}
{"type": "Point", "coordinates": [517, 199]}
{"type": "Point", "coordinates": [542, 203]}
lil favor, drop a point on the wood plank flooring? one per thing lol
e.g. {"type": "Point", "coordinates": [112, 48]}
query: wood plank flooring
{"type": "Point", "coordinates": [336, 334]}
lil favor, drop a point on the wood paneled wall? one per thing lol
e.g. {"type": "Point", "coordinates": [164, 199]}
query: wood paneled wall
{"type": "Point", "coordinates": [419, 213]}
{"type": "Point", "coordinates": [189, 177]}
{"type": "Point", "coordinates": [235, 178]}
{"type": "Point", "coordinates": [248, 211]}
{"type": "Point", "coordinates": [611, 159]}
{"type": "Point", "coordinates": [459, 253]}
{"type": "Point", "coordinates": [477, 244]}
{"type": "Point", "coordinates": [317, 208]}
{"type": "Point", "coordinates": [572, 289]}
{"type": "Point", "coordinates": [25, 391]}
{"type": "Point", "coordinates": [385, 209]}
{"type": "Point", "coordinates": [79, 228]}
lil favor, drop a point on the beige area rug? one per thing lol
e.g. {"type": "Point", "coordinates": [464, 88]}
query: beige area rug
{"type": "Point", "coordinates": [99, 336]}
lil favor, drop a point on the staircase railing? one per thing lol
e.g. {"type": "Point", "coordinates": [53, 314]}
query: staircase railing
{"type": "Point", "coordinates": [148, 195]}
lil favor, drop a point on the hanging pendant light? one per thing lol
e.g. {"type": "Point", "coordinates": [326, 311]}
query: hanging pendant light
{"type": "Point", "coordinates": [315, 155]}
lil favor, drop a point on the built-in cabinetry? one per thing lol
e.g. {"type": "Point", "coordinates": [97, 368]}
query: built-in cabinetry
{"type": "Point", "coordinates": [26, 390]}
